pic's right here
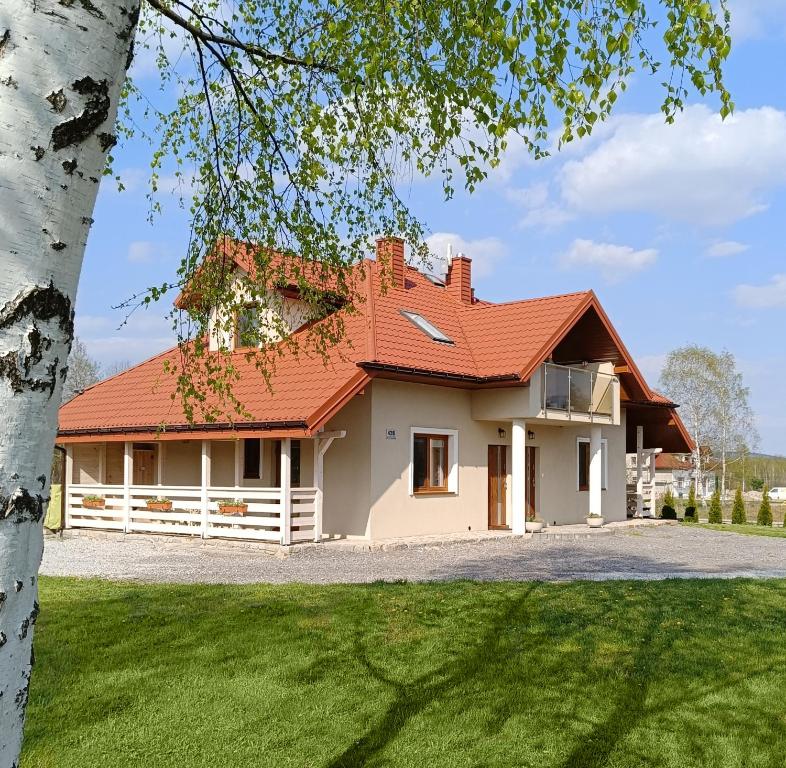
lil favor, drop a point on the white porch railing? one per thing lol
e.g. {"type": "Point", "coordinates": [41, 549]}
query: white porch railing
{"type": "Point", "coordinates": [193, 514]}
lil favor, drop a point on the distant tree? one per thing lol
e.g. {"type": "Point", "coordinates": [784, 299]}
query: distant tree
{"type": "Point", "coordinates": [687, 378]}
{"type": "Point", "coordinates": [691, 515]}
{"type": "Point", "coordinates": [738, 516]}
{"type": "Point", "coordinates": [114, 368]}
{"type": "Point", "coordinates": [714, 400]}
{"type": "Point", "coordinates": [734, 431]}
{"type": "Point", "coordinates": [716, 513]}
{"type": "Point", "coordinates": [756, 484]}
{"type": "Point", "coordinates": [83, 370]}
{"type": "Point", "coordinates": [765, 511]}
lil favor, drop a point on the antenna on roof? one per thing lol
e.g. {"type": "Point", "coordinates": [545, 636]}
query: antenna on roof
{"type": "Point", "coordinates": [449, 254]}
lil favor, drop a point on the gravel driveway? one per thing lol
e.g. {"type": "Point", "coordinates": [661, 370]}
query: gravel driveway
{"type": "Point", "coordinates": [646, 553]}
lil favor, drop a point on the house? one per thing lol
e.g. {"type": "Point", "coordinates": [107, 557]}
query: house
{"type": "Point", "coordinates": [437, 412]}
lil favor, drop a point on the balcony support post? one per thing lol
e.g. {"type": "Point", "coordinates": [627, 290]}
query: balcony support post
{"type": "Point", "coordinates": [518, 472]}
{"type": "Point", "coordinates": [639, 471]}
{"type": "Point", "coordinates": [596, 471]}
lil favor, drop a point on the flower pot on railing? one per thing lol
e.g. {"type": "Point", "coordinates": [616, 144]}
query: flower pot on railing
{"type": "Point", "coordinates": [159, 505]}
{"type": "Point", "coordinates": [233, 508]}
{"type": "Point", "coordinates": [93, 502]}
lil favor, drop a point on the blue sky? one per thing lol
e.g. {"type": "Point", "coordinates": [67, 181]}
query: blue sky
{"type": "Point", "coordinates": [679, 229]}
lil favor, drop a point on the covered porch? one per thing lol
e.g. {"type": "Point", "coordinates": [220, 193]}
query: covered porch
{"type": "Point", "coordinates": [266, 489]}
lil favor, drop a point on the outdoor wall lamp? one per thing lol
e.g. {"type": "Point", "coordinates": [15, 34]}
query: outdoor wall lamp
{"type": "Point", "coordinates": [530, 435]}
{"type": "Point", "coordinates": [502, 433]}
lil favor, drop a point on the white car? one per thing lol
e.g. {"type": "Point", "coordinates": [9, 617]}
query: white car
{"type": "Point", "coordinates": [778, 494]}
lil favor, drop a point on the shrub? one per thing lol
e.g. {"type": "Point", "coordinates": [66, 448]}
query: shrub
{"type": "Point", "coordinates": [692, 497]}
{"type": "Point", "coordinates": [716, 514]}
{"type": "Point", "coordinates": [668, 513]}
{"type": "Point", "coordinates": [690, 514]}
{"type": "Point", "coordinates": [668, 499]}
{"type": "Point", "coordinates": [765, 512]}
{"type": "Point", "coordinates": [738, 516]}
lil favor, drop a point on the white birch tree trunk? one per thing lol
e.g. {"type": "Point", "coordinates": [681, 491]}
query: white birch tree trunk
{"type": "Point", "coordinates": [62, 65]}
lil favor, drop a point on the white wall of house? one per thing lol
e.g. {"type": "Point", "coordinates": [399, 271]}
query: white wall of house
{"type": "Point", "coordinates": [348, 470]}
{"type": "Point", "coordinates": [367, 490]}
{"type": "Point", "coordinates": [277, 309]}
{"type": "Point", "coordinates": [400, 406]}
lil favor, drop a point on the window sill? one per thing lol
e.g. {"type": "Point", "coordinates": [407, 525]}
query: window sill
{"type": "Point", "coordinates": [434, 493]}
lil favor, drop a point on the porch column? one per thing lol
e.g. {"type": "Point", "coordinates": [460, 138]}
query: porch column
{"type": "Point", "coordinates": [160, 454]}
{"type": "Point", "coordinates": [518, 491]}
{"type": "Point", "coordinates": [318, 469]}
{"type": "Point", "coordinates": [205, 484]}
{"type": "Point", "coordinates": [639, 472]}
{"type": "Point", "coordinates": [596, 471]}
{"type": "Point", "coordinates": [286, 494]}
{"type": "Point", "coordinates": [68, 478]}
{"type": "Point", "coordinates": [128, 476]}
{"type": "Point", "coordinates": [238, 462]}
{"type": "Point", "coordinates": [102, 464]}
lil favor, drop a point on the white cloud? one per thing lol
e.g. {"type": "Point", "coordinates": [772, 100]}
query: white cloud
{"type": "Point", "coordinates": [615, 262]}
{"type": "Point", "coordinates": [146, 333]}
{"type": "Point", "coordinates": [772, 294]}
{"type": "Point", "coordinates": [485, 252]}
{"type": "Point", "coordinates": [756, 19]}
{"type": "Point", "coordinates": [724, 248]}
{"type": "Point", "coordinates": [539, 209]}
{"type": "Point", "coordinates": [700, 169]}
{"type": "Point", "coordinates": [141, 251]}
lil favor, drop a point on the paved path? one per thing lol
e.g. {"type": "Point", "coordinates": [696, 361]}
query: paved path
{"type": "Point", "coordinates": [646, 553]}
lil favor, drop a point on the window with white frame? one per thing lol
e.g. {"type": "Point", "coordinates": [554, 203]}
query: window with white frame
{"type": "Point", "coordinates": [583, 463]}
{"type": "Point", "coordinates": [433, 464]}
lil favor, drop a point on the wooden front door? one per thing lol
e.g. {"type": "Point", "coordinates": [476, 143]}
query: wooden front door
{"type": "Point", "coordinates": [532, 483]}
{"type": "Point", "coordinates": [498, 484]}
{"type": "Point", "coordinates": [144, 466]}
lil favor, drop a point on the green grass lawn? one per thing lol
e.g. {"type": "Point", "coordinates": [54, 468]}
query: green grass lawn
{"type": "Point", "coordinates": [618, 674]}
{"type": "Point", "coordinates": [751, 529]}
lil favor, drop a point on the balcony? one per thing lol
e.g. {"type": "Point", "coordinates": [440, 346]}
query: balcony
{"type": "Point", "coordinates": [577, 391]}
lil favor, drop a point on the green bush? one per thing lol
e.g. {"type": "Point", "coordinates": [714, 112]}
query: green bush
{"type": "Point", "coordinates": [756, 484]}
{"type": "Point", "coordinates": [716, 513]}
{"type": "Point", "coordinates": [690, 514]}
{"type": "Point", "coordinates": [668, 499]}
{"type": "Point", "coordinates": [668, 513]}
{"type": "Point", "coordinates": [738, 516]}
{"type": "Point", "coordinates": [765, 512]}
{"type": "Point", "coordinates": [691, 499]}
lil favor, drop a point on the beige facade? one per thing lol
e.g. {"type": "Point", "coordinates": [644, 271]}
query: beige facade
{"type": "Point", "coordinates": [367, 490]}
{"type": "Point", "coordinates": [367, 474]}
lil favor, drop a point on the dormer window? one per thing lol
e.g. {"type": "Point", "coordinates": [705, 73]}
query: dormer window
{"type": "Point", "coordinates": [246, 325]}
{"type": "Point", "coordinates": [427, 327]}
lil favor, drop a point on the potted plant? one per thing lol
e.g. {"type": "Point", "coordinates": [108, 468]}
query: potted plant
{"type": "Point", "coordinates": [595, 520]}
{"type": "Point", "coordinates": [91, 501]}
{"type": "Point", "coordinates": [159, 504]}
{"type": "Point", "coordinates": [236, 507]}
{"type": "Point", "coordinates": [534, 524]}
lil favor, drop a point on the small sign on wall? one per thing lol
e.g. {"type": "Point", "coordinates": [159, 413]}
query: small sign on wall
{"type": "Point", "coordinates": [390, 434]}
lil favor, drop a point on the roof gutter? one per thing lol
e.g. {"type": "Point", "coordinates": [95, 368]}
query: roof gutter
{"type": "Point", "coordinates": [245, 426]}
{"type": "Point", "coordinates": [444, 375]}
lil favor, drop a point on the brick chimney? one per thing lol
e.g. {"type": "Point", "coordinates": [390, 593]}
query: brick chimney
{"type": "Point", "coordinates": [459, 278]}
{"type": "Point", "coordinates": [390, 253]}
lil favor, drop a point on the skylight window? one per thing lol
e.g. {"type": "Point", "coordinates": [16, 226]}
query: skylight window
{"type": "Point", "coordinates": [428, 328]}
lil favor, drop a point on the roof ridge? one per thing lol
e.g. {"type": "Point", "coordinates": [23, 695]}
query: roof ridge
{"type": "Point", "coordinates": [485, 303]}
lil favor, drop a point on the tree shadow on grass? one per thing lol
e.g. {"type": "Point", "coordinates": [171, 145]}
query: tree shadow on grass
{"type": "Point", "coordinates": [412, 698]}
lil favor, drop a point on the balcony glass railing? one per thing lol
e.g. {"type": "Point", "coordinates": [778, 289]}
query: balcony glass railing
{"type": "Point", "coordinates": [577, 390]}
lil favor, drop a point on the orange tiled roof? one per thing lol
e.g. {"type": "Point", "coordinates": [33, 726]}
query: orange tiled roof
{"type": "Point", "coordinates": [490, 342]}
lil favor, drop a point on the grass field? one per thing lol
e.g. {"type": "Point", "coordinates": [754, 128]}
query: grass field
{"type": "Point", "coordinates": [748, 530]}
{"type": "Point", "coordinates": [582, 675]}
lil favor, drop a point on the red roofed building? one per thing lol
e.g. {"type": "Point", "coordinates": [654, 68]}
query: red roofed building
{"type": "Point", "coordinates": [435, 413]}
